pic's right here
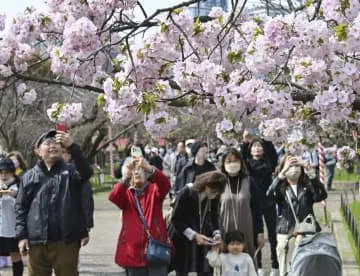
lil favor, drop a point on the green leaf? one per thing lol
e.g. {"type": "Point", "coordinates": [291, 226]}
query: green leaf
{"type": "Point", "coordinates": [197, 27]}
{"type": "Point", "coordinates": [309, 3]}
{"type": "Point", "coordinates": [116, 86]}
{"type": "Point", "coordinates": [341, 32]}
{"type": "Point", "coordinates": [252, 51]}
{"type": "Point", "coordinates": [177, 11]}
{"type": "Point", "coordinates": [297, 77]}
{"type": "Point", "coordinates": [160, 87]}
{"type": "Point", "coordinates": [163, 27]}
{"type": "Point", "coordinates": [221, 19]}
{"type": "Point", "coordinates": [305, 64]}
{"type": "Point", "coordinates": [344, 4]}
{"type": "Point", "coordinates": [100, 101]}
{"type": "Point", "coordinates": [45, 20]}
{"type": "Point", "coordinates": [139, 54]}
{"type": "Point", "coordinates": [258, 20]}
{"type": "Point", "coordinates": [235, 56]}
{"type": "Point", "coordinates": [257, 32]}
{"type": "Point", "coordinates": [286, 70]}
{"type": "Point", "coordinates": [163, 68]}
{"type": "Point", "coordinates": [148, 103]}
{"type": "Point", "coordinates": [160, 120]}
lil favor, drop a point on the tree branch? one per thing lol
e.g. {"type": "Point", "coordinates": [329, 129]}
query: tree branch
{"type": "Point", "coordinates": [49, 81]}
{"type": "Point", "coordinates": [105, 144]}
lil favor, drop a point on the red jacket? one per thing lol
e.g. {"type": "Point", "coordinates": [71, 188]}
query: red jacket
{"type": "Point", "coordinates": [132, 240]}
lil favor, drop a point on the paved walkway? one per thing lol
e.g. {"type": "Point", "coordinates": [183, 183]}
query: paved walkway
{"type": "Point", "coordinates": [97, 258]}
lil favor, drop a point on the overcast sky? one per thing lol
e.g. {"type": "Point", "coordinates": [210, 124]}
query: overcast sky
{"type": "Point", "coordinates": [12, 7]}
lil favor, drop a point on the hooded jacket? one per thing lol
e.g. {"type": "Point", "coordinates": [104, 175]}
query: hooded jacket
{"type": "Point", "coordinates": [48, 204]}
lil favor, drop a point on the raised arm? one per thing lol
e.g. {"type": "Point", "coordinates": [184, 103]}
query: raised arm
{"type": "Point", "coordinates": [162, 182]}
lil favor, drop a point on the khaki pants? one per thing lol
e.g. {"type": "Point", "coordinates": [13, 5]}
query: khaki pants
{"type": "Point", "coordinates": [63, 258]}
{"type": "Point", "coordinates": [281, 254]}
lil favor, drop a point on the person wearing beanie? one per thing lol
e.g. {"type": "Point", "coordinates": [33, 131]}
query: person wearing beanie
{"type": "Point", "coordinates": [50, 223]}
{"type": "Point", "coordinates": [195, 166]}
{"type": "Point", "coordinates": [8, 192]}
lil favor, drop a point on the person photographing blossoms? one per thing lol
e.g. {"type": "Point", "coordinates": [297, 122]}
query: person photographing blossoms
{"type": "Point", "coordinates": [296, 185]}
{"type": "Point", "coordinates": [143, 184]}
{"type": "Point", "coordinates": [50, 224]}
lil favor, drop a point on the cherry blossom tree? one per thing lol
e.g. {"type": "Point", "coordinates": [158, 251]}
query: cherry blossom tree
{"type": "Point", "coordinates": [295, 75]}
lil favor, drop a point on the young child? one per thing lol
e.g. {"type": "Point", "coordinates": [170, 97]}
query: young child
{"type": "Point", "coordinates": [8, 192]}
{"type": "Point", "coordinates": [235, 261]}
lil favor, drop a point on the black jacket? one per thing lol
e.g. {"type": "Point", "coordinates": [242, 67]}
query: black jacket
{"type": "Point", "coordinates": [56, 192]}
{"type": "Point", "coordinates": [189, 172]}
{"type": "Point", "coordinates": [308, 192]}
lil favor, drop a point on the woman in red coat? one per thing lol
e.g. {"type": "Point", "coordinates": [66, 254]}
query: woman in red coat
{"type": "Point", "coordinates": [151, 187]}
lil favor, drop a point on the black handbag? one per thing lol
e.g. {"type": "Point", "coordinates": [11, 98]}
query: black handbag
{"type": "Point", "coordinates": [156, 252]}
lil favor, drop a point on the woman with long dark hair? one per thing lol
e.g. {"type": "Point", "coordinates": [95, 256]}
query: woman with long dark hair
{"type": "Point", "coordinates": [195, 221]}
{"type": "Point", "coordinates": [296, 182]}
{"type": "Point", "coordinates": [240, 203]}
{"type": "Point", "coordinates": [260, 166]}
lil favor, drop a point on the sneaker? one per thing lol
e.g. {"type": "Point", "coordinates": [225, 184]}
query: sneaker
{"type": "Point", "coordinates": [261, 272]}
{"type": "Point", "coordinates": [274, 272]}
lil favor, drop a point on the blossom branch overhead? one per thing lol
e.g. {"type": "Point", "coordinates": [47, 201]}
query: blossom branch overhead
{"type": "Point", "coordinates": [291, 70]}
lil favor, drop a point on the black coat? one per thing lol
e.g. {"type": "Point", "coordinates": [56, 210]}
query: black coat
{"type": "Point", "coordinates": [48, 204]}
{"type": "Point", "coordinates": [189, 172]}
{"type": "Point", "coordinates": [191, 257]}
{"type": "Point", "coordinates": [308, 192]}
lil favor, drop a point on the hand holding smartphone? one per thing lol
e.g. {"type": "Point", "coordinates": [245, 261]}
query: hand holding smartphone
{"type": "Point", "coordinates": [61, 127]}
{"type": "Point", "coordinates": [136, 152]}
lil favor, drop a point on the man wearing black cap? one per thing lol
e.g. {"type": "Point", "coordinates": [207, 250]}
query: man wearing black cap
{"type": "Point", "coordinates": [196, 166]}
{"type": "Point", "coordinates": [50, 224]}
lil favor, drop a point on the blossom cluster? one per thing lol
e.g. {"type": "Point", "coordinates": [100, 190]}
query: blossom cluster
{"type": "Point", "coordinates": [345, 153]}
{"type": "Point", "coordinates": [65, 112]}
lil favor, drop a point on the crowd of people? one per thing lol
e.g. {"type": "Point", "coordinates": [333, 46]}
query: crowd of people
{"type": "Point", "coordinates": [219, 203]}
{"type": "Point", "coordinates": [219, 198]}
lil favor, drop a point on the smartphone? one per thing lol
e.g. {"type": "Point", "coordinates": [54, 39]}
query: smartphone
{"type": "Point", "coordinates": [136, 152]}
{"type": "Point", "coordinates": [61, 127]}
{"type": "Point", "coordinates": [213, 242]}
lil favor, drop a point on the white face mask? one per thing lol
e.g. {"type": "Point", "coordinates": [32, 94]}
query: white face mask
{"type": "Point", "coordinates": [293, 173]}
{"type": "Point", "coordinates": [232, 168]}
{"type": "Point", "coordinates": [188, 151]}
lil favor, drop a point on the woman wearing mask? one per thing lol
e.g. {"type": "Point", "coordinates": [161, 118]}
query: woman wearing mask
{"type": "Point", "coordinates": [260, 170]}
{"type": "Point", "coordinates": [297, 182]}
{"type": "Point", "coordinates": [240, 203]}
{"type": "Point", "coordinates": [140, 180]}
{"type": "Point", "coordinates": [195, 223]}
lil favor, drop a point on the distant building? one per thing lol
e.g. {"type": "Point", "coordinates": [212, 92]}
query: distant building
{"type": "Point", "coordinates": [203, 8]}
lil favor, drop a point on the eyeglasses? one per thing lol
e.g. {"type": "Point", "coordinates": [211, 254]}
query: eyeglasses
{"type": "Point", "coordinates": [49, 141]}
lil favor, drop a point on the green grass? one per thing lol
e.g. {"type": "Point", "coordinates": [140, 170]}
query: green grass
{"type": "Point", "coordinates": [352, 242]}
{"type": "Point", "coordinates": [355, 209]}
{"type": "Point", "coordinates": [108, 179]}
{"type": "Point", "coordinates": [343, 175]}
